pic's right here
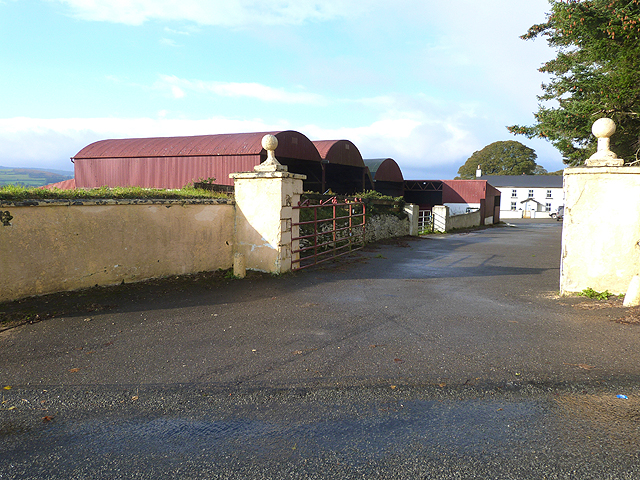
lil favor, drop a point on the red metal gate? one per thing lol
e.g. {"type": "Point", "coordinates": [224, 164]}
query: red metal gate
{"type": "Point", "coordinates": [327, 229]}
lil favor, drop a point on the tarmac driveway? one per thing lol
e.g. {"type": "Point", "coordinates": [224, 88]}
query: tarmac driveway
{"type": "Point", "coordinates": [415, 358]}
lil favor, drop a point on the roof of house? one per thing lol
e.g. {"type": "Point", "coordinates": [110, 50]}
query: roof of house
{"type": "Point", "coordinates": [526, 200]}
{"type": "Point", "coordinates": [531, 181]}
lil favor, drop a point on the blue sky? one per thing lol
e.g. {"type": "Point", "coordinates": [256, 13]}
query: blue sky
{"type": "Point", "coordinates": [422, 81]}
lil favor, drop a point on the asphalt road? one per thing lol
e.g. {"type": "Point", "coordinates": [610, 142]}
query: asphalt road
{"type": "Point", "coordinates": [445, 357]}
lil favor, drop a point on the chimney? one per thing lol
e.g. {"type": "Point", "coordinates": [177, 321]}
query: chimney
{"type": "Point", "coordinates": [478, 172]}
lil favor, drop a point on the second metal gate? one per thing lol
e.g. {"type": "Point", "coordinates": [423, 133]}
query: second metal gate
{"type": "Point", "coordinates": [425, 222]}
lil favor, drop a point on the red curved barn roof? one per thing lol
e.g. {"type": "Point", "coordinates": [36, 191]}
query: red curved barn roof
{"type": "Point", "coordinates": [341, 152]}
{"type": "Point", "coordinates": [384, 169]}
{"type": "Point", "coordinates": [291, 144]}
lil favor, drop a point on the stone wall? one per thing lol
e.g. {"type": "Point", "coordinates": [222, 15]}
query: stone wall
{"type": "Point", "coordinates": [53, 246]}
{"type": "Point", "coordinates": [380, 227]}
{"type": "Point", "coordinates": [62, 245]}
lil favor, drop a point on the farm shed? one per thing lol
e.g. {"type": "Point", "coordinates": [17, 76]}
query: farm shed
{"type": "Point", "coordinates": [173, 162]}
{"type": "Point", "coordinates": [387, 176]}
{"type": "Point", "coordinates": [425, 193]}
{"type": "Point", "coordinates": [462, 196]}
{"type": "Point", "coordinates": [343, 170]}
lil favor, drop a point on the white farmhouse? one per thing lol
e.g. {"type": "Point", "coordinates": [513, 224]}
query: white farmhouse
{"type": "Point", "coordinates": [527, 196]}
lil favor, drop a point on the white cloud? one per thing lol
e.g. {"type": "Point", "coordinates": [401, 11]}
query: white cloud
{"type": "Point", "coordinates": [177, 32]}
{"type": "Point", "coordinates": [420, 146]}
{"type": "Point", "coordinates": [213, 12]}
{"type": "Point", "coordinates": [420, 132]}
{"type": "Point", "coordinates": [177, 92]}
{"type": "Point", "coordinates": [169, 42]}
{"type": "Point", "coordinates": [50, 143]}
{"type": "Point", "coordinates": [179, 86]}
{"type": "Point", "coordinates": [412, 143]}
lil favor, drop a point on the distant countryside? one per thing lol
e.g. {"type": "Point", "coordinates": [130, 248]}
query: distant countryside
{"type": "Point", "coordinates": [31, 177]}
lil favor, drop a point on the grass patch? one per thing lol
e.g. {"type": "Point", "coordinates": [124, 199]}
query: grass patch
{"type": "Point", "coordinates": [591, 293]}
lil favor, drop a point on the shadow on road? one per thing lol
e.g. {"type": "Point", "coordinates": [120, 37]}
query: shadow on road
{"type": "Point", "coordinates": [411, 258]}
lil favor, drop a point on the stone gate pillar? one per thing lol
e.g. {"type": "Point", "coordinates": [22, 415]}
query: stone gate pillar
{"type": "Point", "coordinates": [264, 213]}
{"type": "Point", "coordinates": [601, 226]}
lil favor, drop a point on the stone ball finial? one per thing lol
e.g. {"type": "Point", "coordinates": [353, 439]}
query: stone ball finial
{"type": "Point", "coordinates": [604, 127]}
{"type": "Point", "coordinates": [271, 164]}
{"type": "Point", "coordinates": [269, 142]}
{"type": "Point", "coordinates": [604, 157]}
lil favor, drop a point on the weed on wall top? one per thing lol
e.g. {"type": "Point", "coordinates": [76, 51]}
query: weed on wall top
{"type": "Point", "coordinates": [18, 193]}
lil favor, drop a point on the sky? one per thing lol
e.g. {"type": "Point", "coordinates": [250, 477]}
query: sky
{"type": "Point", "coordinates": [424, 82]}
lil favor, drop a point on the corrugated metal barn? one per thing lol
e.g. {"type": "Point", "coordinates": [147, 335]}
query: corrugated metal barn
{"type": "Point", "coordinates": [343, 170]}
{"type": "Point", "coordinates": [387, 176]}
{"type": "Point", "coordinates": [173, 162]}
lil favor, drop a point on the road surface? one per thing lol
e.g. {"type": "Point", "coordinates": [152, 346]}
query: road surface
{"type": "Point", "coordinates": [444, 357]}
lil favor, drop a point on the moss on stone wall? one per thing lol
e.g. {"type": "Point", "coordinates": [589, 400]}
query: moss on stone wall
{"type": "Point", "coordinates": [17, 193]}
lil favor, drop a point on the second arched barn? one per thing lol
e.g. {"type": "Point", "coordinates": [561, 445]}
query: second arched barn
{"type": "Point", "coordinates": [387, 176]}
{"type": "Point", "coordinates": [343, 170]}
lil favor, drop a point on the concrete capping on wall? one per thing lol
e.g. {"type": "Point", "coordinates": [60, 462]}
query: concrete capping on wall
{"type": "Point", "coordinates": [626, 170]}
{"type": "Point", "coordinates": [113, 201]}
{"type": "Point", "coordinates": [601, 229]}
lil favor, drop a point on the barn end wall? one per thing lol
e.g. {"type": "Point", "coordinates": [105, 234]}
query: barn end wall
{"type": "Point", "coordinates": [50, 247]}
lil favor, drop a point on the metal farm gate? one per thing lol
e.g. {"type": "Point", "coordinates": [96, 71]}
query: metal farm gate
{"type": "Point", "coordinates": [425, 221]}
{"type": "Point", "coordinates": [327, 229]}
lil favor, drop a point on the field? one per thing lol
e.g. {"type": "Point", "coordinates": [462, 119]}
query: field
{"type": "Point", "coordinates": [29, 177]}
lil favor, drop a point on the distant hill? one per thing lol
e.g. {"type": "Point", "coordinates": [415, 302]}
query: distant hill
{"type": "Point", "coordinates": [31, 177]}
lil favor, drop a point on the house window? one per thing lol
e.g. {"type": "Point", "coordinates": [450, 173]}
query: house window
{"type": "Point", "coordinates": [547, 207]}
{"type": "Point", "coordinates": [548, 193]}
{"type": "Point", "coordinates": [514, 205]}
{"type": "Point", "coordinates": [514, 193]}
{"type": "Point", "coordinates": [531, 193]}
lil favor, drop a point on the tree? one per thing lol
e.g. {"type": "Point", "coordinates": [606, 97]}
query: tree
{"type": "Point", "coordinates": [595, 74]}
{"type": "Point", "coordinates": [500, 158]}
{"type": "Point", "coordinates": [540, 170]}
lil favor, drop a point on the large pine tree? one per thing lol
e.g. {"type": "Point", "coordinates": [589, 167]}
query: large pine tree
{"type": "Point", "coordinates": [595, 74]}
